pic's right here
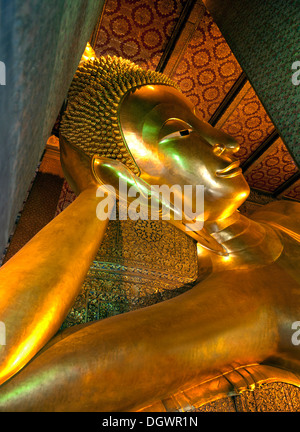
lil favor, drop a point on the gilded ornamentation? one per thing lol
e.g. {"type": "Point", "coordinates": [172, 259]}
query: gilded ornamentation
{"type": "Point", "coordinates": [231, 331]}
{"type": "Point", "coordinates": [94, 96]}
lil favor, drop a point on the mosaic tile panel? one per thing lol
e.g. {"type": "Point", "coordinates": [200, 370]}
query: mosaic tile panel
{"type": "Point", "coordinates": [137, 29]}
{"type": "Point", "coordinates": [274, 168]}
{"type": "Point", "coordinates": [222, 405]}
{"type": "Point", "coordinates": [138, 264]}
{"type": "Point", "coordinates": [208, 69]}
{"type": "Point", "coordinates": [269, 397]}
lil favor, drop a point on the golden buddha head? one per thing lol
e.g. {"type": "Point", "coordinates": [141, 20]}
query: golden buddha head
{"type": "Point", "coordinates": [118, 110]}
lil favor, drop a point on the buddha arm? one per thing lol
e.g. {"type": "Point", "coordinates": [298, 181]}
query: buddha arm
{"type": "Point", "coordinates": [39, 284]}
{"type": "Point", "coordinates": [126, 361]}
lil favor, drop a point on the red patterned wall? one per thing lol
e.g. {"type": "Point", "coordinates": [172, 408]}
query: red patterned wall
{"type": "Point", "coordinates": [275, 167]}
{"type": "Point", "coordinates": [208, 69]}
{"type": "Point", "coordinates": [249, 124]}
{"type": "Point", "coordinates": [138, 29]}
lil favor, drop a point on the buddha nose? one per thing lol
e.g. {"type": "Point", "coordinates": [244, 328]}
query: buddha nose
{"type": "Point", "coordinates": [226, 149]}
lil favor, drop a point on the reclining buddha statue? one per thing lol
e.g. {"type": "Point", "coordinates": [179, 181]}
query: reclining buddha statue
{"type": "Point", "coordinates": [233, 328]}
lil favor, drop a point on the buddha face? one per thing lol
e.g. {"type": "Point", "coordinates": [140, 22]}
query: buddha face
{"type": "Point", "coordinates": [172, 146]}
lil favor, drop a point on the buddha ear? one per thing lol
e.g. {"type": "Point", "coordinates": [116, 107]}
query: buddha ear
{"type": "Point", "coordinates": [113, 176]}
{"type": "Point", "coordinates": [109, 171]}
{"type": "Point", "coordinates": [76, 166]}
{"type": "Point", "coordinates": [112, 172]}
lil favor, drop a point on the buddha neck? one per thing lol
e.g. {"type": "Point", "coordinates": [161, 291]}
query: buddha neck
{"type": "Point", "coordinates": [248, 243]}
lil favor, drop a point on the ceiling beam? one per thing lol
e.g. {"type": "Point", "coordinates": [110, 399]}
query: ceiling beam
{"type": "Point", "coordinates": [96, 30]}
{"type": "Point", "coordinates": [286, 185]}
{"type": "Point", "coordinates": [263, 147]}
{"type": "Point", "coordinates": [229, 98]}
{"type": "Point", "coordinates": [183, 18]}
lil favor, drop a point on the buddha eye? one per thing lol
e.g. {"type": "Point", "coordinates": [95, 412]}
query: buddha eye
{"type": "Point", "coordinates": [174, 128]}
{"type": "Point", "coordinates": [177, 134]}
{"type": "Point", "coordinates": [185, 132]}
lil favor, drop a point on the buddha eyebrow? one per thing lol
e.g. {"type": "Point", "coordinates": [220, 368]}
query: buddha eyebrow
{"type": "Point", "coordinates": [175, 119]}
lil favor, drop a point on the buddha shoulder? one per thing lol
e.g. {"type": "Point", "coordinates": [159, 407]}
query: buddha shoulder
{"type": "Point", "coordinates": [282, 214]}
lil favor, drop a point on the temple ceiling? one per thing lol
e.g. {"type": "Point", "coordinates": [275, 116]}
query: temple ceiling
{"type": "Point", "coordinates": [180, 39]}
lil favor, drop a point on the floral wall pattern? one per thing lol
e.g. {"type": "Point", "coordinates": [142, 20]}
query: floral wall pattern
{"type": "Point", "coordinates": [206, 71]}
{"type": "Point", "coordinates": [137, 30]}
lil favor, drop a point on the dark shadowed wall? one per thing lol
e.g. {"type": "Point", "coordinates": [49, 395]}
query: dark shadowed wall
{"type": "Point", "coordinates": [41, 43]}
{"type": "Point", "coordinates": [265, 38]}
